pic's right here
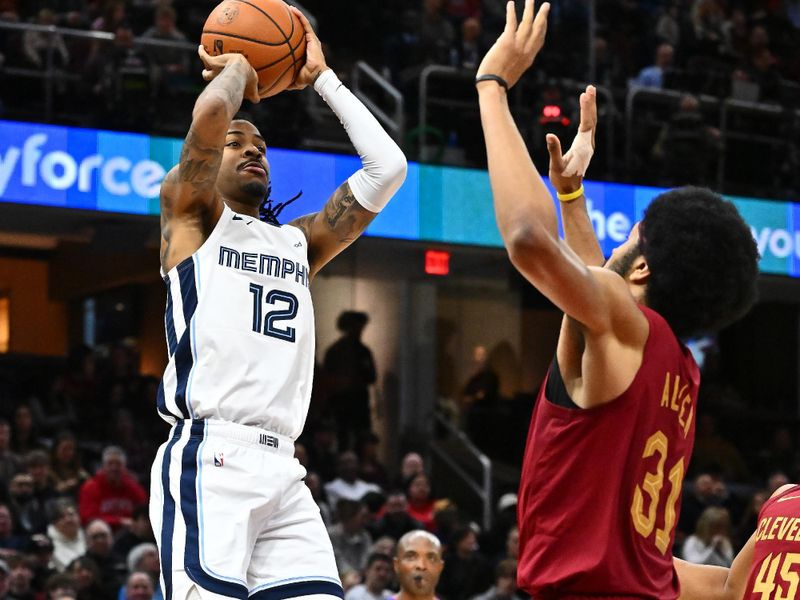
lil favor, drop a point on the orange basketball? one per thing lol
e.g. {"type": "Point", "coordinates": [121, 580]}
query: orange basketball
{"type": "Point", "coordinates": [266, 32]}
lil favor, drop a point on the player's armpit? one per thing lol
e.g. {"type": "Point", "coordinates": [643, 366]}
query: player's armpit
{"type": "Point", "coordinates": [334, 228]}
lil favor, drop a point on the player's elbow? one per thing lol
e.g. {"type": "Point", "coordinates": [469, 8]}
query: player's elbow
{"type": "Point", "coordinates": [394, 169]}
{"type": "Point", "coordinates": [525, 244]}
{"type": "Point", "coordinates": [211, 108]}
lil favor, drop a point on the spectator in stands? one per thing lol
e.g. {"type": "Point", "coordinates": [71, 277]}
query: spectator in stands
{"type": "Point", "coordinates": [25, 437]}
{"type": "Point", "coordinates": [668, 26]}
{"type": "Point", "coordinates": [40, 552]}
{"type": "Point", "coordinates": [710, 544]}
{"type": "Point", "coordinates": [776, 480]}
{"type": "Point", "coordinates": [88, 579]}
{"type": "Point", "coordinates": [139, 451]}
{"type": "Point", "coordinates": [67, 472]}
{"type": "Point", "coordinates": [377, 577]}
{"type": "Point", "coordinates": [436, 34]}
{"type": "Point", "coordinates": [139, 586]}
{"type": "Point", "coordinates": [421, 504]}
{"type": "Point", "coordinates": [20, 577]}
{"type": "Point", "coordinates": [349, 537]}
{"type": "Point", "coordinates": [384, 545]}
{"type": "Point", "coordinates": [761, 65]}
{"type": "Point", "coordinates": [113, 16]}
{"type": "Point", "coordinates": [60, 586]}
{"type": "Point", "coordinates": [321, 451]}
{"type": "Point", "coordinates": [37, 463]}
{"type": "Point", "coordinates": [653, 76]}
{"type": "Point", "coordinates": [737, 35]}
{"type": "Point", "coordinates": [371, 469]}
{"type": "Point", "coordinates": [10, 462]}
{"type": "Point", "coordinates": [418, 565]}
{"type": "Point", "coordinates": [144, 559]}
{"type": "Point", "coordinates": [171, 61]}
{"type": "Point", "coordinates": [27, 511]}
{"type": "Point", "coordinates": [350, 371]}
{"type": "Point", "coordinates": [708, 19]}
{"type": "Point", "coordinates": [749, 520]}
{"type": "Point", "coordinates": [411, 465]}
{"type": "Point", "coordinates": [395, 521]}
{"type": "Point", "coordinates": [139, 532]}
{"type": "Point", "coordinates": [467, 572]}
{"type": "Point", "coordinates": [348, 485]}
{"type": "Point", "coordinates": [37, 45]}
{"type": "Point", "coordinates": [65, 531]}
{"type": "Point", "coordinates": [9, 543]}
{"type": "Point", "coordinates": [469, 50]}
{"type": "Point", "coordinates": [706, 490]}
{"type": "Point", "coordinates": [687, 148]}
{"type": "Point", "coordinates": [112, 494]}
{"type": "Point", "coordinates": [98, 552]}
{"type": "Point", "coordinates": [505, 583]}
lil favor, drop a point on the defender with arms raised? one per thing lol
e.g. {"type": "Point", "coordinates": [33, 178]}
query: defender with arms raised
{"type": "Point", "coordinates": [232, 516]}
{"type": "Point", "coordinates": [613, 426]}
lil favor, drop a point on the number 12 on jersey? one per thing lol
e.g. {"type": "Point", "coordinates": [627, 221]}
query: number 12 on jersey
{"type": "Point", "coordinates": [268, 324]}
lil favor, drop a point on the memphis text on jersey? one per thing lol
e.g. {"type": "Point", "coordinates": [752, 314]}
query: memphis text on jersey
{"type": "Point", "coordinates": [264, 264]}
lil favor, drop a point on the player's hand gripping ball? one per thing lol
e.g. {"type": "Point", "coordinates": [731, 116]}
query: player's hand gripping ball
{"type": "Point", "coordinates": [266, 32]}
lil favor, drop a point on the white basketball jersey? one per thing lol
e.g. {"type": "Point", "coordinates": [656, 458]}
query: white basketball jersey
{"type": "Point", "coordinates": [240, 329]}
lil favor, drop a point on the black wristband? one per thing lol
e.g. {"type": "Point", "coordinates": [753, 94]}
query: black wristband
{"type": "Point", "coordinates": [496, 78]}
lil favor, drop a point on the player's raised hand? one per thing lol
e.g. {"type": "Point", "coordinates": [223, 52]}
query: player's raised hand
{"type": "Point", "coordinates": [215, 64]}
{"type": "Point", "coordinates": [567, 171]}
{"type": "Point", "coordinates": [516, 48]}
{"type": "Point", "coordinates": [315, 60]}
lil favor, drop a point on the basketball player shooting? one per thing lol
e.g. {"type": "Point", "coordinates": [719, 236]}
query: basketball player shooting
{"type": "Point", "coordinates": [232, 516]}
{"type": "Point", "coordinates": [613, 426]}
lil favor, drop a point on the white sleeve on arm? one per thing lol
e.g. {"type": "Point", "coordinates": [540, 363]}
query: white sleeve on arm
{"type": "Point", "coordinates": [384, 167]}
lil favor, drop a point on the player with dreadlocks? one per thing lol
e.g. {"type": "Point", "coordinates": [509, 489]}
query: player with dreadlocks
{"type": "Point", "coordinates": [231, 513]}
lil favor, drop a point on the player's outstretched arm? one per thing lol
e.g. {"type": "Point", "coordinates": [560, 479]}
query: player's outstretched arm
{"type": "Point", "coordinates": [190, 205]}
{"type": "Point", "coordinates": [705, 582]}
{"type": "Point", "coordinates": [526, 217]}
{"type": "Point", "coordinates": [358, 200]}
{"type": "Point", "coordinates": [566, 175]}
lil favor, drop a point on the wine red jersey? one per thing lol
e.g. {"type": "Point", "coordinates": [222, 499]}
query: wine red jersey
{"type": "Point", "coordinates": [775, 571]}
{"type": "Point", "coordinates": [600, 490]}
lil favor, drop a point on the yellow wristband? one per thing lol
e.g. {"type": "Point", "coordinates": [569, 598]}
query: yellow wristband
{"type": "Point", "coordinates": [571, 196]}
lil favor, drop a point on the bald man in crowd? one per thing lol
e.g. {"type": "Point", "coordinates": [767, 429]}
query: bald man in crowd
{"type": "Point", "coordinates": [418, 564]}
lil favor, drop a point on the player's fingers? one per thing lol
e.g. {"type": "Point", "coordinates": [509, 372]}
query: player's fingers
{"type": "Point", "coordinates": [554, 150]}
{"type": "Point", "coordinates": [539, 30]}
{"type": "Point", "coordinates": [204, 56]}
{"type": "Point", "coordinates": [527, 20]}
{"type": "Point", "coordinates": [511, 18]}
{"type": "Point", "coordinates": [589, 109]}
{"type": "Point", "coordinates": [303, 20]}
{"type": "Point", "coordinates": [208, 74]}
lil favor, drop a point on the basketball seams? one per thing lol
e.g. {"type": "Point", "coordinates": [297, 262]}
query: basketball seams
{"type": "Point", "coordinates": [269, 16]}
{"type": "Point", "coordinates": [292, 49]}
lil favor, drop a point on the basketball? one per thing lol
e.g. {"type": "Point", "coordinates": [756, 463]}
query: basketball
{"type": "Point", "coordinates": [265, 32]}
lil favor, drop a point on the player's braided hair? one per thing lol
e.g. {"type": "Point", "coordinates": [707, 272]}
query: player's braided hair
{"type": "Point", "coordinates": [269, 212]}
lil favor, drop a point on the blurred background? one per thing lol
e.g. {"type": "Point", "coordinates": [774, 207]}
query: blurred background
{"type": "Point", "coordinates": [95, 97]}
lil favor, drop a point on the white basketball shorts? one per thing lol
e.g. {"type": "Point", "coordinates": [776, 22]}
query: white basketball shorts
{"type": "Point", "coordinates": [233, 518]}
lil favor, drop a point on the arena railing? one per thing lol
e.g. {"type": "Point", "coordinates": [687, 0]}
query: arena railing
{"type": "Point", "coordinates": [50, 75]}
{"type": "Point", "coordinates": [481, 487]}
{"type": "Point", "coordinates": [363, 79]}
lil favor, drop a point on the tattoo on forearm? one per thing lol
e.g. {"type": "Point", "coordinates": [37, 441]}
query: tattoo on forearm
{"type": "Point", "coordinates": [343, 216]}
{"type": "Point", "coordinates": [199, 164]}
{"type": "Point", "coordinates": [229, 84]}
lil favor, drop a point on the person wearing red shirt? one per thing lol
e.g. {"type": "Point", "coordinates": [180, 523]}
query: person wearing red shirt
{"type": "Point", "coordinates": [112, 494]}
{"type": "Point", "coordinates": [613, 426]}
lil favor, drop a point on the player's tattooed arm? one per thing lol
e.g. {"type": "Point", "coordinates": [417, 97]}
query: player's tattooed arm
{"type": "Point", "coordinates": [335, 227]}
{"type": "Point", "coordinates": [190, 189]}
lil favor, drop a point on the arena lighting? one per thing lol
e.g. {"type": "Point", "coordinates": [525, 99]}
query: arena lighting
{"type": "Point", "coordinates": [552, 113]}
{"type": "Point", "coordinates": [437, 262]}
